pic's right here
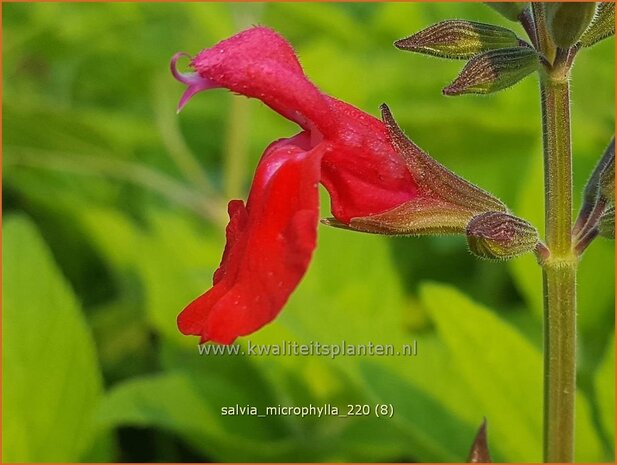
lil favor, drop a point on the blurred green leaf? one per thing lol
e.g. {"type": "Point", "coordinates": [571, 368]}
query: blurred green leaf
{"type": "Point", "coordinates": [103, 450]}
{"type": "Point", "coordinates": [191, 408]}
{"type": "Point", "coordinates": [433, 433]}
{"type": "Point", "coordinates": [51, 380]}
{"type": "Point", "coordinates": [366, 439]}
{"type": "Point", "coordinates": [504, 372]}
{"type": "Point", "coordinates": [330, 19]}
{"type": "Point", "coordinates": [173, 259]}
{"type": "Point", "coordinates": [605, 390]}
{"type": "Point", "coordinates": [501, 367]}
{"type": "Point", "coordinates": [510, 10]}
{"type": "Point", "coordinates": [525, 271]}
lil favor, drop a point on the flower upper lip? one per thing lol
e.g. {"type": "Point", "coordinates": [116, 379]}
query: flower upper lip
{"type": "Point", "coordinates": [362, 172]}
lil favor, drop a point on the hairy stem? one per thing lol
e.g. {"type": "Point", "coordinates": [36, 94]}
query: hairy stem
{"type": "Point", "coordinates": [559, 269]}
{"type": "Point", "coordinates": [559, 273]}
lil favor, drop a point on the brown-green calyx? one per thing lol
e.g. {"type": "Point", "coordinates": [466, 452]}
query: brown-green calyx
{"type": "Point", "coordinates": [494, 70]}
{"type": "Point", "coordinates": [602, 25]}
{"type": "Point", "coordinates": [500, 236]}
{"type": "Point", "coordinates": [606, 226]}
{"type": "Point", "coordinates": [567, 21]}
{"type": "Point", "coordinates": [445, 204]}
{"type": "Point", "coordinates": [458, 39]}
{"type": "Point", "coordinates": [607, 179]}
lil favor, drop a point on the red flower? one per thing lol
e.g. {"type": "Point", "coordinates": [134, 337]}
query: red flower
{"type": "Point", "coordinates": [270, 241]}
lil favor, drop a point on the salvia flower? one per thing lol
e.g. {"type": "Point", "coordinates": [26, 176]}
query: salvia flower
{"type": "Point", "coordinates": [377, 179]}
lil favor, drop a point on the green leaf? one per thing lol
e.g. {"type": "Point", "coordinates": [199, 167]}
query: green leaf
{"type": "Point", "coordinates": [51, 380]}
{"type": "Point", "coordinates": [371, 441]}
{"type": "Point", "coordinates": [504, 371]}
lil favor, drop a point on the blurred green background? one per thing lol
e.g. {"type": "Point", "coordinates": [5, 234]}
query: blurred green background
{"type": "Point", "coordinates": [114, 210]}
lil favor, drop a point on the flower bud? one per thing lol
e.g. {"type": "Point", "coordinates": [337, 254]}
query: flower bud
{"type": "Point", "coordinates": [494, 70]}
{"type": "Point", "coordinates": [458, 39]}
{"type": "Point", "coordinates": [602, 25]}
{"type": "Point", "coordinates": [510, 10]}
{"type": "Point", "coordinates": [479, 452]}
{"type": "Point", "coordinates": [498, 235]}
{"type": "Point", "coordinates": [566, 21]}
{"type": "Point", "coordinates": [607, 180]}
{"type": "Point", "coordinates": [606, 227]}
{"type": "Point", "coordinates": [600, 187]}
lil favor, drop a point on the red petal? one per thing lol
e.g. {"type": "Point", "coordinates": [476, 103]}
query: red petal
{"type": "Point", "coordinates": [269, 246]}
{"type": "Point", "coordinates": [363, 173]}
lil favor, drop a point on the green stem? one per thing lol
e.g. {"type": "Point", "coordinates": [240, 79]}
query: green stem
{"type": "Point", "coordinates": [559, 273]}
{"type": "Point", "coordinates": [560, 265]}
{"type": "Point", "coordinates": [236, 148]}
{"type": "Point", "coordinates": [176, 147]}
